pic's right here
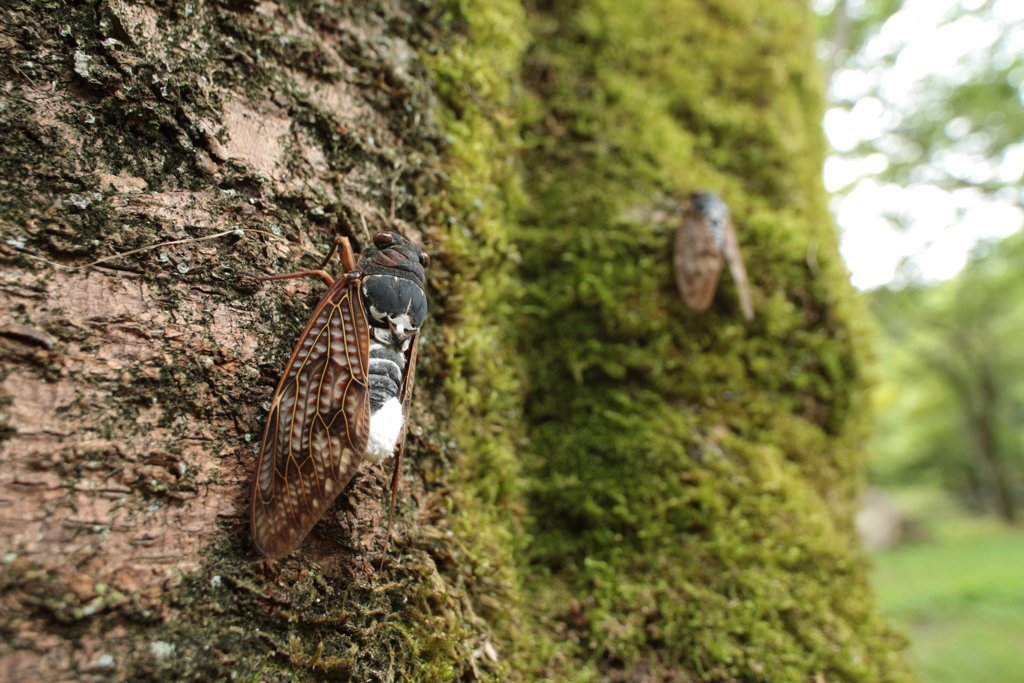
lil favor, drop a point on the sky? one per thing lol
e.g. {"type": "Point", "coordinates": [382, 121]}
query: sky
{"type": "Point", "coordinates": [925, 39]}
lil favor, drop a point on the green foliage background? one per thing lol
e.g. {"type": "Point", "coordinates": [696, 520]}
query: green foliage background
{"type": "Point", "coordinates": [950, 357]}
{"type": "Point", "coordinates": [918, 142]}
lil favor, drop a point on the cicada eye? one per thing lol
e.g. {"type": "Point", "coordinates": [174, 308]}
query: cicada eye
{"type": "Point", "coordinates": [424, 260]}
{"type": "Point", "coordinates": [383, 239]}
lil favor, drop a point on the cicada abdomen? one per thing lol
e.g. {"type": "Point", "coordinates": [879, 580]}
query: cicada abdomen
{"type": "Point", "coordinates": [705, 241]}
{"type": "Point", "coordinates": [344, 394]}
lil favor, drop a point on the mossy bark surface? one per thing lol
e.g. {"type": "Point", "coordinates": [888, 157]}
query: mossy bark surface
{"type": "Point", "coordinates": [600, 484]}
{"type": "Point", "coordinates": [136, 389]}
{"type": "Point", "coordinates": [691, 477]}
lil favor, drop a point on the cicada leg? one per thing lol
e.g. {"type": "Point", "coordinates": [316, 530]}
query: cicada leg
{"type": "Point", "coordinates": [348, 260]}
{"type": "Point", "coordinates": [322, 274]}
{"type": "Point", "coordinates": [348, 257]}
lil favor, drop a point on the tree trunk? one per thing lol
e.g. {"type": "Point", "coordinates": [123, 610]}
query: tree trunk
{"type": "Point", "coordinates": [982, 407]}
{"type": "Point", "coordinates": [599, 485]}
{"type": "Point", "coordinates": [968, 369]}
{"type": "Point", "coordinates": [205, 141]}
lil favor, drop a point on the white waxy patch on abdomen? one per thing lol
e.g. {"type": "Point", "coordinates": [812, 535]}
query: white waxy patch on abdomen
{"type": "Point", "coordinates": [385, 427]}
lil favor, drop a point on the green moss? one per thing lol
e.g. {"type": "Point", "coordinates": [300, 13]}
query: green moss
{"type": "Point", "coordinates": [477, 78]}
{"type": "Point", "coordinates": [691, 477]}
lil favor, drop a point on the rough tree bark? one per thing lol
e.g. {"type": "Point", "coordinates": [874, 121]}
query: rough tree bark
{"type": "Point", "coordinates": [205, 141]}
{"type": "Point", "coordinates": [600, 486]}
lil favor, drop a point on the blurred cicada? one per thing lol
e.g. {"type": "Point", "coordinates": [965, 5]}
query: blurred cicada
{"type": "Point", "coordinates": [344, 394]}
{"type": "Point", "coordinates": [705, 241]}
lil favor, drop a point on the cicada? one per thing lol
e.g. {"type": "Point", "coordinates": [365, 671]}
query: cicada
{"type": "Point", "coordinates": [344, 395]}
{"type": "Point", "coordinates": [705, 241]}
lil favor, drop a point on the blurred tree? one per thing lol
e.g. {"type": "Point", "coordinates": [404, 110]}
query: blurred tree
{"type": "Point", "coordinates": [845, 26]}
{"type": "Point", "coordinates": [925, 121]}
{"type": "Point", "coordinates": [951, 394]}
{"type": "Point", "coordinates": [959, 128]}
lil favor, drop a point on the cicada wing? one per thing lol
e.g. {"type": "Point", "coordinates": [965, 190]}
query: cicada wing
{"type": "Point", "coordinates": [405, 395]}
{"type": "Point", "coordinates": [738, 270]}
{"type": "Point", "coordinates": [698, 262]}
{"type": "Point", "coordinates": [318, 426]}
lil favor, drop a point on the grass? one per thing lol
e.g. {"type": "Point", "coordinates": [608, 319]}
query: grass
{"type": "Point", "coordinates": [961, 600]}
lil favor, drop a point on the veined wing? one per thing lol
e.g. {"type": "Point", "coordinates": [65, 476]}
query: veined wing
{"type": "Point", "coordinates": [405, 396]}
{"type": "Point", "coordinates": [731, 248]}
{"type": "Point", "coordinates": [697, 261]}
{"type": "Point", "coordinates": [318, 425]}
{"type": "Point", "coordinates": [405, 393]}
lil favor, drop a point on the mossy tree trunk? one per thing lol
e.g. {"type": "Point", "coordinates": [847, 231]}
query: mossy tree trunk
{"type": "Point", "coordinates": [204, 141]}
{"type": "Point", "coordinates": [600, 485]}
{"type": "Point", "coordinates": [693, 476]}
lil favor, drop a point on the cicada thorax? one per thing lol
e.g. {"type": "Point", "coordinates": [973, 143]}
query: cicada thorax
{"type": "Point", "coordinates": [396, 306]}
{"type": "Point", "coordinates": [344, 395]}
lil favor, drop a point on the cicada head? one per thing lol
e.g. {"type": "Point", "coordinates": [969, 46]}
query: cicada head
{"type": "Point", "coordinates": [709, 208]}
{"type": "Point", "coordinates": [395, 255]}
